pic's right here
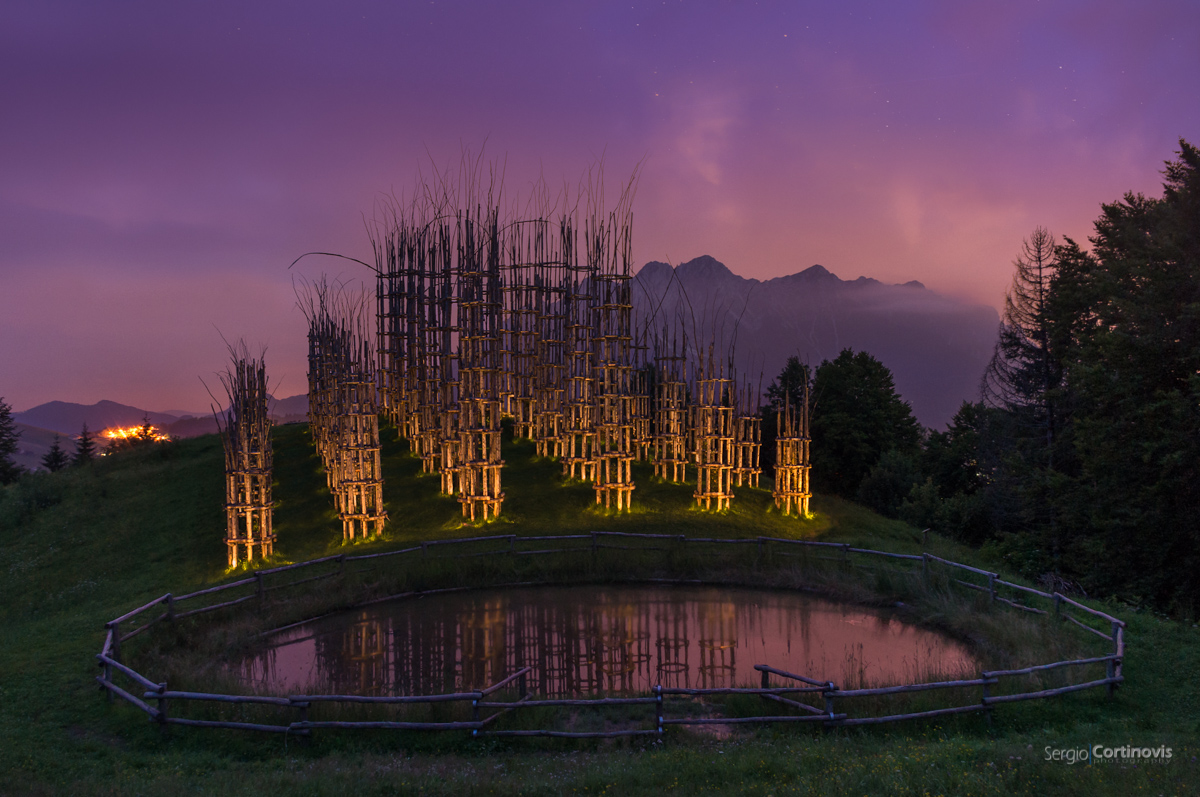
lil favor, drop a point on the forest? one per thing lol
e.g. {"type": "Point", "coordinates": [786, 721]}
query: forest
{"type": "Point", "coordinates": [1078, 466]}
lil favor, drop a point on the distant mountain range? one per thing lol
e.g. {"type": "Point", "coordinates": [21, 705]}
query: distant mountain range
{"type": "Point", "coordinates": [39, 424]}
{"type": "Point", "coordinates": [936, 347]}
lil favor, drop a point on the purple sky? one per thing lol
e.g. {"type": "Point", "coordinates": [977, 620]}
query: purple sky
{"type": "Point", "coordinates": [162, 163]}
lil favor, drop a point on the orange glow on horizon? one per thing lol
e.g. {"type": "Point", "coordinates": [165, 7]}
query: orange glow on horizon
{"type": "Point", "coordinates": [135, 433]}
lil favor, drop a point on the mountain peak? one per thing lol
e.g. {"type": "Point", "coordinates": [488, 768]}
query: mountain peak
{"type": "Point", "coordinates": [706, 267]}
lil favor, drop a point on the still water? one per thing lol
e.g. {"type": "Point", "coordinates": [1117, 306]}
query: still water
{"type": "Point", "coordinates": [589, 639]}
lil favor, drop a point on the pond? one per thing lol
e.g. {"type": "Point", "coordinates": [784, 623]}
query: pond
{"type": "Point", "coordinates": [590, 639]}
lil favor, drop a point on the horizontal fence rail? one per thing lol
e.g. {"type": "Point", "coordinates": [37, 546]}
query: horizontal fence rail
{"type": "Point", "coordinates": [831, 713]}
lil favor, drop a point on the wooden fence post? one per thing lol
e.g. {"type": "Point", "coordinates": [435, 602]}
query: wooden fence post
{"type": "Point", "coordinates": [992, 587]}
{"type": "Point", "coordinates": [658, 708]}
{"type": "Point", "coordinates": [924, 565]}
{"type": "Point", "coordinates": [987, 709]}
{"type": "Point", "coordinates": [116, 645]}
{"type": "Point", "coordinates": [1109, 673]}
{"type": "Point", "coordinates": [162, 709]}
{"type": "Point", "coordinates": [925, 538]}
{"type": "Point", "coordinates": [1057, 605]}
{"type": "Point", "coordinates": [259, 586]}
{"type": "Point", "coordinates": [828, 695]}
{"type": "Point", "coordinates": [170, 608]}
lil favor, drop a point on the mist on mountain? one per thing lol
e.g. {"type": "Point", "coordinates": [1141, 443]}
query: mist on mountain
{"type": "Point", "coordinates": [935, 346]}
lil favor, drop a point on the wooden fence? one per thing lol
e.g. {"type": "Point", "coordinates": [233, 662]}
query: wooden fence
{"type": "Point", "coordinates": [832, 711]}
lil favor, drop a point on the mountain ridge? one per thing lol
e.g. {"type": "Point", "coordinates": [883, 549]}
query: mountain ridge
{"type": "Point", "coordinates": [936, 347]}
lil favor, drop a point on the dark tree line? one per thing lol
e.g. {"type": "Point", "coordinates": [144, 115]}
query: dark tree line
{"type": "Point", "coordinates": [1082, 462]}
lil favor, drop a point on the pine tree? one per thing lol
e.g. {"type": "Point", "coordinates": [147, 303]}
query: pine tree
{"type": "Point", "coordinates": [55, 459]}
{"type": "Point", "coordinates": [146, 433]}
{"type": "Point", "coordinates": [857, 415]}
{"type": "Point", "coordinates": [9, 470]}
{"type": "Point", "coordinates": [1024, 373]}
{"type": "Point", "coordinates": [85, 448]}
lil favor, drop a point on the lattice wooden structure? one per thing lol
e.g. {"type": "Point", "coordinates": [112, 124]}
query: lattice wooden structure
{"type": "Point", "coordinates": [713, 433]}
{"type": "Point", "coordinates": [671, 452]}
{"type": "Point", "coordinates": [344, 409]}
{"type": "Point", "coordinates": [246, 437]}
{"type": "Point", "coordinates": [616, 442]}
{"type": "Point", "coordinates": [747, 439]}
{"type": "Point", "coordinates": [479, 306]}
{"type": "Point", "coordinates": [482, 314]}
{"type": "Point", "coordinates": [792, 491]}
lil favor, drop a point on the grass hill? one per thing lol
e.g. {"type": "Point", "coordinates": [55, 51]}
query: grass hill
{"type": "Point", "coordinates": [82, 546]}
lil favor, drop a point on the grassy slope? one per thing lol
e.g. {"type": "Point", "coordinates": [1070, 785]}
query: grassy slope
{"type": "Point", "coordinates": [80, 547]}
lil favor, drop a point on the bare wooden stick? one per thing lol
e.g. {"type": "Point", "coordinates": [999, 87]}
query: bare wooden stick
{"type": "Point", "coordinates": [242, 726]}
{"type": "Point", "coordinates": [145, 626]}
{"type": "Point", "coordinates": [303, 581]}
{"type": "Point", "coordinates": [501, 684]}
{"type": "Point", "coordinates": [917, 557]}
{"type": "Point", "coordinates": [214, 607]}
{"type": "Point", "coordinates": [937, 712]}
{"type": "Point", "coordinates": [569, 734]}
{"type": "Point", "coordinates": [361, 557]}
{"type": "Point", "coordinates": [211, 590]}
{"type": "Point", "coordinates": [1051, 666]}
{"type": "Point", "coordinates": [962, 566]}
{"type": "Point", "coordinates": [895, 690]}
{"type": "Point", "coordinates": [110, 686]}
{"type": "Point", "coordinates": [205, 696]}
{"type": "Point", "coordinates": [1090, 610]}
{"type": "Point", "coordinates": [137, 611]}
{"type": "Point", "coordinates": [733, 690]}
{"type": "Point", "coordinates": [814, 543]}
{"type": "Point", "coordinates": [1087, 627]}
{"type": "Point", "coordinates": [794, 704]}
{"type": "Point", "coordinates": [793, 676]}
{"type": "Point", "coordinates": [1030, 590]}
{"type": "Point", "coordinates": [297, 565]}
{"type": "Point", "coordinates": [1021, 606]}
{"type": "Point", "coordinates": [387, 699]}
{"type": "Point", "coordinates": [605, 701]}
{"type": "Point", "coordinates": [741, 720]}
{"type": "Point", "coordinates": [129, 671]}
{"type": "Point", "coordinates": [1062, 690]}
{"type": "Point", "coordinates": [388, 725]}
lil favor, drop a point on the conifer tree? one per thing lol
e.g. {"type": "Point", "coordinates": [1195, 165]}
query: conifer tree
{"type": "Point", "coordinates": [1024, 373]}
{"type": "Point", "coordinates": [9, 470]}
{"type": "Point", "coordinates": [55, 459]}
{"type": "Point", "coordinates": [85, 447]}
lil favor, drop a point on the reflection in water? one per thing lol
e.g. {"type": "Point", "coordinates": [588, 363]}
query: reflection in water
{"type": "Point", "coordinates": [582, 640]}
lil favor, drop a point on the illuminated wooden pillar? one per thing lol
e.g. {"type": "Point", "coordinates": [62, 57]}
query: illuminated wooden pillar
{"type": "Point", "coordinates": [246, 438]}
{"type": "Point", "coordinates": [479, 307]}
{"type": "Point", "coordinates": [747, 433]}
{"type": "Point", "coordinates": [671, 413]}
{"type": "Point", "coordinates": [616, 442]}
{"type": "Point", "coordinates": [713, 430]}
{"type": "Point", "coordinates": [578, 449]}
{"type": "Point", "coordinates": [550, 369]}
{"type": "Point", "coordinates": [792, 490]}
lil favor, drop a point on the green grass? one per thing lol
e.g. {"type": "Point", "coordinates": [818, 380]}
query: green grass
{"type": "Point", "coordinates": [80, 547]}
